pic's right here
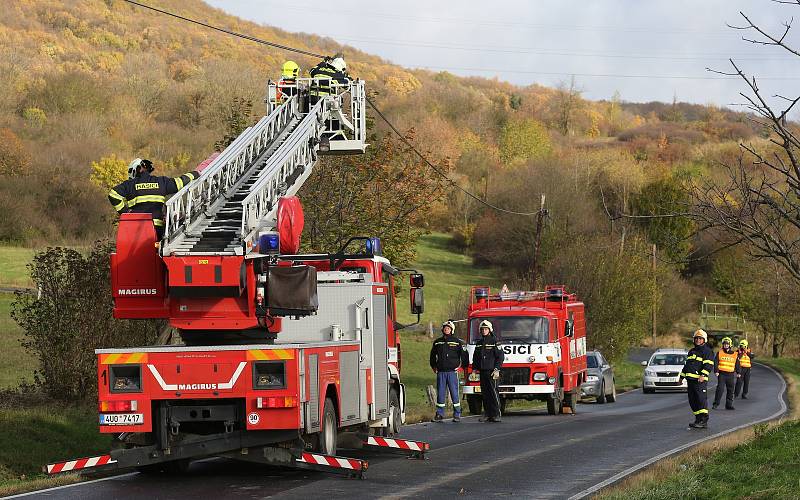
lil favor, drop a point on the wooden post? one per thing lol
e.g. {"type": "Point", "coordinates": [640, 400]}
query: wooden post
{"type": "Point", "coordinates": [655, 295]}
{"type": "Point", "coordinates": [537, 243]}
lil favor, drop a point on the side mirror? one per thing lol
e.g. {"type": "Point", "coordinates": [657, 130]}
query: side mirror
{"type": "Point", "coordinates": [417, 280]}
{"type": "Point", "coordinates": [417, 301]}
{"type": "Point", "coordinates": [644, 363]}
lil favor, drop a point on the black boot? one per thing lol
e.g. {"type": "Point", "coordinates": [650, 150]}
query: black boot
{"type": "Point", "coordinates": [703, 424]}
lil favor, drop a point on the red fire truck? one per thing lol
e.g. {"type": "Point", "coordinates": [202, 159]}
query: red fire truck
{"type": "Point", "coordinates": [543, 337]}
{"type": "Point", "coordinates": [283, 355]}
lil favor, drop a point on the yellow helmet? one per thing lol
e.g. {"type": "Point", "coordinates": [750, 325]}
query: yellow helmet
{"type": "Point", "coordinates": [702, 334]}
{"type": "Point", "coordinates": [744, 343]}
{"type": "Point", "coordinates": [290, 69]}
{"type": "Point", "coordinates": [728, 340]}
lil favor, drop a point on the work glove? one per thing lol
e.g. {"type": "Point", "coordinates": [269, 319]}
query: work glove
{"type": "Point", "coordinates": [496, 374]}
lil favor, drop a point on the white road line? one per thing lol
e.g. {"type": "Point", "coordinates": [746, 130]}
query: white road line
{"type": "Point", "coordinates": [36, 492]}
{"type": "Point", "coordinates": [613, 479]}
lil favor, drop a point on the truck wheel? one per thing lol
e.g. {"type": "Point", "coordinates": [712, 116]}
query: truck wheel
{"type": "Point", "coordinates": [554, 404]}
{"type": "Point", "coordinates": [571, 400]}
{"type": "Point", "coordinates": [326, 441]}
{"type": "Point", "coordinates": [613, 396]}
{"type": "Point", "coordinates": [395, 419]}
{"type": "Point", "coordinates": [475, 404]}
{"type": "Point", "coordinates": [601, 398]}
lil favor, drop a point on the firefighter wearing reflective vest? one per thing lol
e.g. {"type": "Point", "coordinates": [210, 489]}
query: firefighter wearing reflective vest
{"type": "Point", "coordinates": [327, 72]}
{"type": "Point", "coordinates": [727, 369]}
{"type": "Point", "coordinates": [287, 86]}
{"type": "Point", "coordinates": [699, 363]}
{"type": "Point", "coordinates": [745, 363]}
{"type": "Point", "coordinates": [487, 359]}
{"type": "Point", "coordinates": [147, 193]}
{"type": "Point", "coordinates": [448, 353]}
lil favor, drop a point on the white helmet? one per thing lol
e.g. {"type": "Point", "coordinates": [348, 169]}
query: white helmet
{"type": "Point", "coordinates": [339, 64]}
{"type": "Point", "coordinates": [135, 164]}
{"type": "Point", "coordinates": [486, 324]}
{"type": "Point", "coordinates": [702, 334]}
{"type": "Point", "coordinates": [450, 324]}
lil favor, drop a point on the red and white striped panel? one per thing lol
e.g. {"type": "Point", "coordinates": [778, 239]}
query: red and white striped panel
{"type": "Point", "coordinates": [402, 444]}
{"type": "Point", "coordinates": [81, 463]}
{"type": "Point", "coordinates": [331, 461]}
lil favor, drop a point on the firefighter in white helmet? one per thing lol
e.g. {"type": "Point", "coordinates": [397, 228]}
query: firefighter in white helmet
{"type": "Point", "coordinates": [487, 359]}
{"type": "Point", "coordinates": [698, 367]}
{"type": "Point", "coordinates": [329, 71]}
{"type": "Point", "coordinates": [448, 353]}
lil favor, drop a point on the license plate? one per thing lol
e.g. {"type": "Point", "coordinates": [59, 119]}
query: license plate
{"type": "Point", "coordinates": [668, 379]}
{"type": "Point", "coordinates": [121, 418]}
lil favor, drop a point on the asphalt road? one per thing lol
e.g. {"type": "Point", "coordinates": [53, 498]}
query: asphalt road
{"type": "Point", "coordinates": [528, 455]}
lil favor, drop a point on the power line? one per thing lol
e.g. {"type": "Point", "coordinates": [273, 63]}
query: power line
{"type": "Point", "coordinates": [372, 104]}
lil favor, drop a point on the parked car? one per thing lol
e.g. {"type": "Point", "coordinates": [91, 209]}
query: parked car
{"type": "Point", "coordinates": [662, 371]}
{"type": "Point", "coordinates": [600, 382]}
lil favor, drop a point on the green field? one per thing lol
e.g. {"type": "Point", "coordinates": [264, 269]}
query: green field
{"type": "Point", "coordinates": [447, 274]}
{"type": "Point", "coordinates": [13, 262]}
{"type": "Point", "coordinates": [16, 364]}
{"type": "Point", "coordinates": [762, 468]}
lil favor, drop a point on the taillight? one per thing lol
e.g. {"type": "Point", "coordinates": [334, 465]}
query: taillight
{"type": "Point", "coordinates": [276, 402]}
{"type": "Point", "coordinates": [114, 406]}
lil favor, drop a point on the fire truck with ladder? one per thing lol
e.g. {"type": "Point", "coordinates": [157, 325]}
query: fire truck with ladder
{"type": "Point", "coordinates": [284, 356]}
{"type": "Point", "coordinates": [543, 338]}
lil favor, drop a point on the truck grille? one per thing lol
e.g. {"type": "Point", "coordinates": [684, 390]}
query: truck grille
{"type": "Point", "coordinates": [515, 376]}
{"type": "Point", "coordinates": [667, 374]}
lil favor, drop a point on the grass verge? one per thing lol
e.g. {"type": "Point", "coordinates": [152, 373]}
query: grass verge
{"type": "Point", "coordinates": [13, 270]}
{"type": "Point", "coordinates": [16, 364]}
{"type": "Point", "coordinates": [754, 463]}
{"type": "Point", "coordinates": [36, 436]}
{"type": "Point", "coordinates": [627, 375]}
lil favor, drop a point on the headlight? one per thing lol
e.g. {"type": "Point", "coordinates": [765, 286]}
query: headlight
{"type": "Point", "coordinates": [592, 378]}
{"type": "Point", "coordinates": [474, 377]}
{"type": "Point", "coordinates": [650, 373]}
{"type": "Point", "coordinates": [539, 376]}
{"type": "Point", "coordinates": [551, 380]}
{"type": "Point", "coordinates": [269, 375]}
{"type": "Point", "coordinates": [125, 378]}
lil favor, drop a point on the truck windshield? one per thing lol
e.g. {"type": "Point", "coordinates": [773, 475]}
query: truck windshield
{"type": "Point", "coordinates": [523, 329]}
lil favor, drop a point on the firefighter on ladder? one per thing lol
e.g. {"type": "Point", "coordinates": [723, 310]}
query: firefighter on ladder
{"type": "Point", "coordinates": [448, 353]}
{"type": "Point", "coordinates": [287, 86]}
{"type": "Point", "coordinates": [145, 193]}
{"type": "Point", "coordinates": [329, 71]}
{"type": "Point", "coordinates": [745, 363]}
{"type": "Point", "coordinates": [487, 359]}
{"type": "Point", "coordinates": [727, 371]}
{"type": "Point", "coordinates": [699, 362]}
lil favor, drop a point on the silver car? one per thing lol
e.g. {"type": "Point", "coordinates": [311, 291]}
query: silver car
{"type": "Point", "coordinates": [599, 379]}
{"type": "Point", "coordinates": [662, 371]}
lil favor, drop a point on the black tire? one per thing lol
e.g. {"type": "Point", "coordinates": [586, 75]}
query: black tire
{"type": "Point", "coordinates": [612, 398]}
{"type": "Point", "coordinates": [648, 391]}
{"type": "Point", "coordinates": [475, 404]}
{"type": "Point", "coordinates": [571, 400]}
{"type": "Point", "coordinates": [395, 419]}
{"type": "Point", "coordinates": [555, 403]}
{"type": "Point", "coordinates": [601, 398]}
{"type": "Point", "coordinates": [326, 438]}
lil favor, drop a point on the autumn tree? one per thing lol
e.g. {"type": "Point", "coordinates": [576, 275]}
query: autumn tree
{"type": "Point", "coordinates": [522, 140]}
{"type": "Point", "coordinates": [108, 171]}
{"type": "Point", "coordinates": [14, 158]}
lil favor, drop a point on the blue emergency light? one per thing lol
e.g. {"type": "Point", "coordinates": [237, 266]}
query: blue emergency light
{"type": "Point", "coordinates": [481, 293]}
{"type": "Point", "coordinates": [269, 243]}
{"type": "Point", "coordinates": [373, 246]}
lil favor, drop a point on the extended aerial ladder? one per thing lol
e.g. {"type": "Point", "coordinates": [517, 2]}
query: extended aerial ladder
{"type": "Point", "coordinates": [236, 197]}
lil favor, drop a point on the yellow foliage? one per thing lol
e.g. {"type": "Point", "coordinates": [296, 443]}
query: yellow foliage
{"type": "Point", "coordinates": [108, 172]}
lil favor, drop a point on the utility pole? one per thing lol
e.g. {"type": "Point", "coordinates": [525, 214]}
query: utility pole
{"type": "Point", "coordinates": [655, 295]}
{"type": "Point", "coordinates": [539, 224]}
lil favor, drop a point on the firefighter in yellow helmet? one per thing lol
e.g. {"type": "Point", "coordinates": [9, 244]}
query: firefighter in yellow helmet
{"type": "Point", "coordinates": [487, 359]}
{"type": "Point", "coordinates": [727, 369]}
{"type": "Point", "coordinates": [745, 362]}
{"type": "Point", "coordinates": [287, 85]}
{"type": "Point", "coordinates": [699, 363]}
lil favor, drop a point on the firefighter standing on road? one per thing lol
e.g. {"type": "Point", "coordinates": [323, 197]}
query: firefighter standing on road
{"type": "Point", "coordinates": [745, 362]}
{"type": "Point", "coordinates": [487, 359]}
{"type": "Point", "coordinates": [727, 371]}
{"type": "Point", "coordinates": [448, 353]}
{"type": "Point", "coordinates": [699, 361]}
{"type": "Point", "coordinates": [147, 193]}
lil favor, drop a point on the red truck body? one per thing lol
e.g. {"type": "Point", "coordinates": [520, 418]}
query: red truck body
{"type": "Point", "coordinates": [543, 337]}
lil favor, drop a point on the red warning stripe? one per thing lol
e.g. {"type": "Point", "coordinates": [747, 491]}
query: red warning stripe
{"type": "Point", "coordinates": [401, 444]}
{"type": "Point", "coordinates": [332, 461]}
{"type": "Point", "coordinates": [81, 463]}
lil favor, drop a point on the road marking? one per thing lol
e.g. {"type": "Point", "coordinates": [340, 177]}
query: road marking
{"type": "Point", "coordinates": [82, 483]}
{"type": "Point", "coordinates": [613, 479]}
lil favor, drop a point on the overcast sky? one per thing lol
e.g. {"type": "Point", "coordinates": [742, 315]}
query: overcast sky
{"type": "Point", "coordinates": [645, 49]}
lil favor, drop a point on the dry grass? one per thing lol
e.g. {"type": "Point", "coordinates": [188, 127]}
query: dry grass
{"type": "Point", "coordinates": [24, 485]}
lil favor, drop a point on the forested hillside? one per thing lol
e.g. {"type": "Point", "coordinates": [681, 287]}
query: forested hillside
{"type": "Point", "coordinates": [91, 84]}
